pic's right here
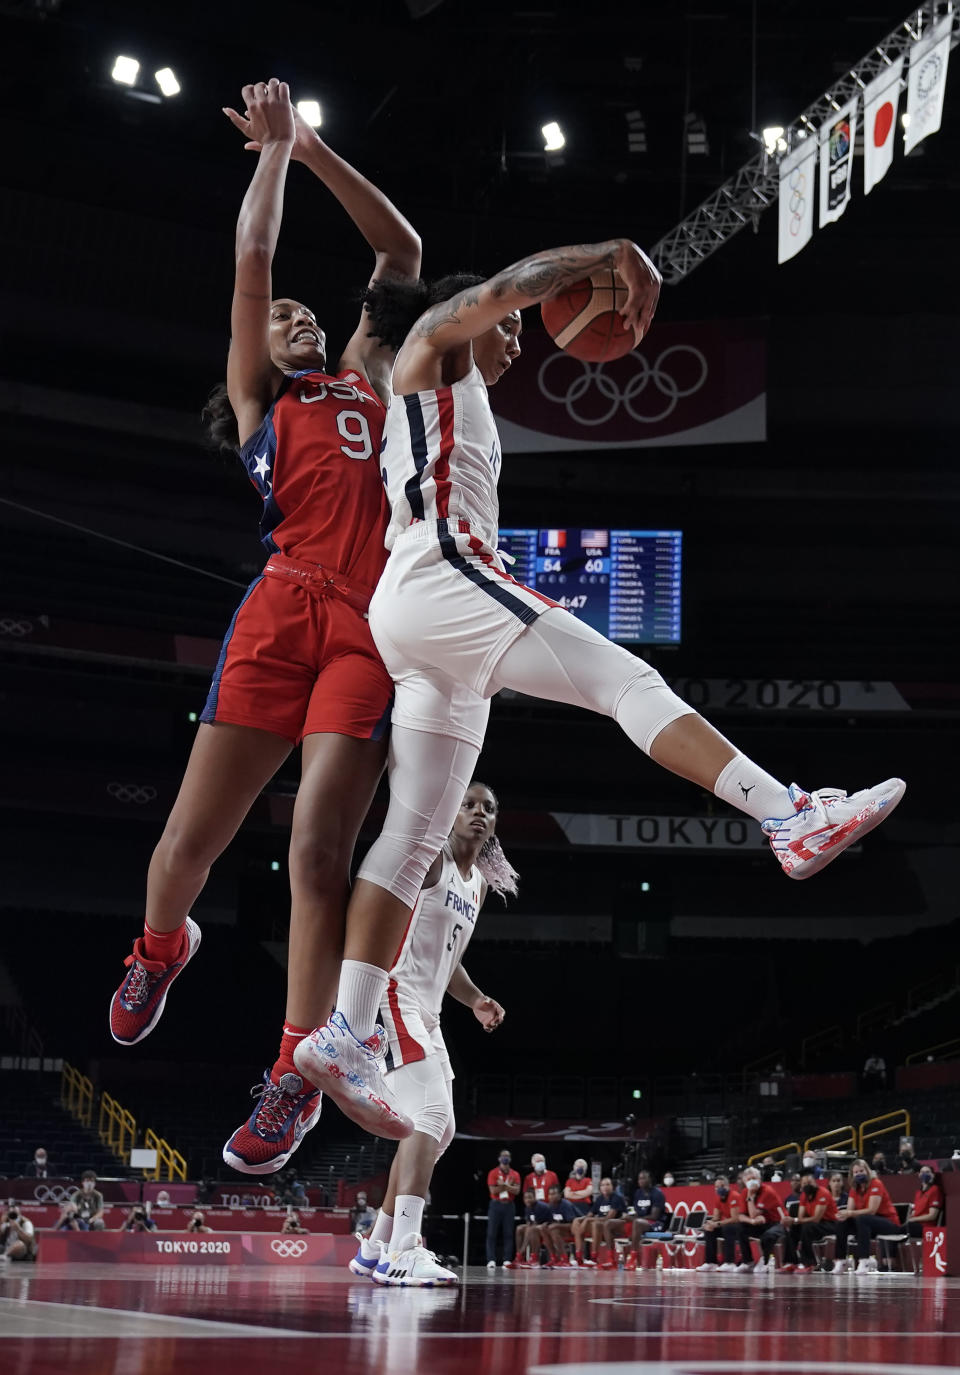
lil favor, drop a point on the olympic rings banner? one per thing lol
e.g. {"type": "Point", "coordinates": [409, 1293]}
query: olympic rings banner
{"type": "Point", "coordinates": [686, 384]}
{"type": "Point", "coordinates": [798, 172]}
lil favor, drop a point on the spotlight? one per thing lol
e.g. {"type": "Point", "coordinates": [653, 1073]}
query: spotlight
{"type": "Point", "coordinates": [275, 866]}
{"type": "Point", "coordinates": [553, 139]}
{"type": "Point", "coordinates": [905, 119]}
{"type": "Point", "coordinates": [636, 131]}
{"type": "Point", "coordinates": [697, 142]}
{"type": "Point", "coordinates": [773, 140]}
{"type": "Point", "coordinates": [310, 110]}
{"type": "Point", "coordinates": [125, 70]}
{"type": "Point", "coordinates": [167, 82]}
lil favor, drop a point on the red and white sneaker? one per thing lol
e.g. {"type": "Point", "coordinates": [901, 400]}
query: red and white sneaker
{"type": "Point", "coordinates": [281, 1118]}
{"type": "Point", "coordinates": [826, 822]}
{"type": "Point", "coordinates": [138, 1003]}
{"type": "Point", "coordinates": [351, 1072]}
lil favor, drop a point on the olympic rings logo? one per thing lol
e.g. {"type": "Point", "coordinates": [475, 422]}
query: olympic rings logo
{"type": "Point", "coordinates": [593, 376]}
{"type": "Point", "coordinates": [54, 1193]}
{"type": "Point", "coordinates": [287, 1249]}
{"type": "Point", "coordinates": [10, 625]}
{"type": "Point", "coordinates": [928, 77]}
{"type": "Point", "coordinates": [137, 793]}
{"type": "Point", "coordinates": [797, 182]}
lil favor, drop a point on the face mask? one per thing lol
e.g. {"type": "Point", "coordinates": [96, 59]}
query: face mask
{"type": "Point", "coordinates": [579, 1172]}
{"type": "Point", "coordinates": [668, 1180]}
{"type": "Point", "coordinates": [753, 1184]}
{"type": "Point", "coordinates": [41, 1160]}
{"type": "Point", "coordinates": [809, 1163]}
{"type": "Point", "coordinates": [810, 1190]}
{"type": "Point", "coordinates": [722, 1192]}
{"type": "Point", "coordinates": [925, 1179]}
{"type": "Point", "coordinates": [504, 1162]}
{"type": "Point", "coordinates": [540, 1166]}
{"type": "Point", "coordinates": [87, 1185]}
{"type": "Point", "coordinates": [859, 1179]}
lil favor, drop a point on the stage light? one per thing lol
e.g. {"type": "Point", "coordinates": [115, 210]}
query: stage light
{"type": "Point", "coordinates": [275, 866]}
{"type": "Point", "coordinates": [125, 70]}
{"type": "Point", "coordinates": [905, 119]}
{"type": "Point", "coordinates": [310, 110]}
{"type": "Point", "coordinates": [167, 82]}
{"type": "Point", "coordinates": [644, 887]}
{"type": "Point", "coordinates": [636, 131]}
{"type": "Point", "coordinates": [638, 1093]}
{"type": "Point", "coordinates": [773, 140]}
{"type": "Point", "coordinates": [553, 139]}
{"type": "Point", "coordinates": [192, 717]}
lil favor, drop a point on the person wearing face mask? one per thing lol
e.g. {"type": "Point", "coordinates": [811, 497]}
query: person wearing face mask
{"type": "Point", "coordinates": [869, 1213]}
{"type": "Point", "coordinates": [89, 1201]}
{"type": "Point", "coordinates": [762, 1216]}
{"type": "Point", "coordinates": [578, 1189]}
{"type": "Point", "coordinates": [668, 1180]}
{"type": "Point", "coordinates": [926, 1210]}
{"type": "Point", "coordinates": [816, 1218]}
{"type": "Point", "coordinates": [540, 1179]}
{"type": "Point", "coordinates": [906, 1161]}
{"type": "Point", "coordinates": [503, 1185]}
{"type": "Point", "coordinates": [722, 1224]}
{"type": "Point", "coordinates": [39, 1167]}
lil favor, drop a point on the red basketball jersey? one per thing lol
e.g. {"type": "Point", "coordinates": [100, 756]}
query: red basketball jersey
{"type": "Point", "coordinates": [315, 460]}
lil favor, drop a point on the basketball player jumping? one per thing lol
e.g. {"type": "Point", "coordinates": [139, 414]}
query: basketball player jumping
{"type": "Point", "coordinates": [298, 663]}
{"type": "Point", "coordinates": [453, 628]}
{"type": "Point", "coordinates": [429, 963]}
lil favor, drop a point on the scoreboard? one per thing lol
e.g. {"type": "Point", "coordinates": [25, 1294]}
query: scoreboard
{"type": "Point", "coordinates": [625, 583]}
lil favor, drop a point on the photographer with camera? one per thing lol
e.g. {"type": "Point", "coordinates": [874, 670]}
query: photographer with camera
{"type": "Point", "coordinates": [89, 1202]}
{"type": "Point", "coordinates": [68, 1220]}
{"type": "Point", "coordinates": [197, 1222]}
{"type": "Point", "coordinates": [139, 1220]}
{"type": "Point", "coordinates": [17, 1237]}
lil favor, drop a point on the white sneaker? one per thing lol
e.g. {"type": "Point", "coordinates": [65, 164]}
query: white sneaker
{"type": "Point", "coordinates": [727, 1265]}
{"type": "Point", "coordinates": [826, 822]}
{"type": "Point", "coordinates": [491, 1265]}
{"type": "Point", "coordinates": [867, 1267]}
{"type": "Point", "coordinates": [412, 1267]}
{"type": "Point", "coordinates": [368, 1257]}
{"type": "Point", "coordinates": [709, 1265]}
{"type": "Point", "coordinates": [745, 1267]}
{"type": "Point", "coordinates": [840, 1267]}
{"type": "Point", "coordinates": [351, 1072]}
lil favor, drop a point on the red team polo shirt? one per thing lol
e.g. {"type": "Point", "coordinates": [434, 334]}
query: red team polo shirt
{"type": "Point", "coordinates": [766, 1200]}
{"type": "Point", "coordinates": [823, 1195]}
{"type": "Point", "coordinates": [497, 1182]}
{"type": "Point", "coordinates": [540, 1183]}
{"type": "Point", "coordinates": [723, 1206]}
{"type": "Point", "coordinates": [924, 1200]}
{"type": "Point", "coordinates": [575, 1185]}
{"type": "Point", "coordinates": [874, 1189]}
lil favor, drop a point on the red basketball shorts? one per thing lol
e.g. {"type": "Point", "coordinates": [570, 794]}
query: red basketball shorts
{"type": "Point", "coordinates": [298, 659]}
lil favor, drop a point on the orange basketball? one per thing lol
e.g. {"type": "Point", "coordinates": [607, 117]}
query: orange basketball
{"type": "Point", "coordinates": [584, 321]}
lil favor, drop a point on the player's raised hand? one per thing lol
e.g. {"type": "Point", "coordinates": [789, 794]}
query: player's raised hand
{"type": "Point", "coordinates": [643, 283]}
{"type": "Point", "coordinates": [488, 1013]}
{"type": "Point", "coordinates": [269, 116]}
{"type": "Point", "coordinates": [304, 138]}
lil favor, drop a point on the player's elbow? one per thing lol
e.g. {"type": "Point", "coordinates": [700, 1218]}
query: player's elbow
{"type": "Point", "coordinates": [404, 255]}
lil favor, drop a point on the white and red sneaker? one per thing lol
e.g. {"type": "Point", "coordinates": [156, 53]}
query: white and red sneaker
{"type": "Point", "coordinates": [283, 1114]}
{"type": "Point", "coordinates": [351, 1072]}
{"type": "Point", "coordinates": [826, 822]}
{"type": "Point", "coordinates": [138, 1003]}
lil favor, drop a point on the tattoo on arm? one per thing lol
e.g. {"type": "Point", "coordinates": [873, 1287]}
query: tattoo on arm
{"type": "Point", "coordinates": [546, 274]}
{"type": "Point", "coordinates": [446, 313]}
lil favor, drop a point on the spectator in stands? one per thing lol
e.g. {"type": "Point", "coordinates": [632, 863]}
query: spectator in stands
{"type": "Point", "coordinates": [649, 1214]}
{"type": "Point", "coordinates": [907, 1162]}
{"type": "Point", "coordinates": [879, 1163]}
{"type": "Point", "coordinates": [138, 1219]}
{"type": "Point", "coordinates": [362, 1216]}
{"type": "Point", "coordinates": [926, 1210]}
{"type": "Point", "coordinates": [162, 1199]}
{"type": "Point", "coordinates": [838, 1188]}
{"type": "Point", "coordinates": [810, 1163]}
{"type": "Point", "coordinates": [723, 1224]}
{"type": "Point", "coordinates": [761, 1217]}
{"type": "Point", "coordinates": [503, 1185]}
{"type": "Point", "coordinates": [607, 1205]}
{"type": "Point", "coordinates": [560, 1230]}
{"type": "Point", "coordinates": [537, 1216]}
{"type": "Point", "coordinates": [89, 1201]}
{"type": "Point", "coordinates": [579, 1188]}
{"type": "Point", "coordinates": [292, 1223]}
{"type": "Point", "coordinates": [197, 1222]}
{"type": "Point", "coordinates": [668, 1179]}
{"type": "Point", "coordinates": [540, 1178]}
{"type": "Point", "coordinates": [39, 1167]}
{"type": "Point", "coordinates": [816, 1219]}
{"type": "Point", "coordinates": [874, 1073]}
{"type": "Point", "coordinates": [18, 1240]}
{"type": "Point", "coordinates": [869, 1213]}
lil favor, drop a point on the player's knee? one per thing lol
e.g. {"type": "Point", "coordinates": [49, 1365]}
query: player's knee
{"type": "Point", "coordinates": [183, 850]}
{"type": "Point", "coordinates": [318, 864]}
{"type": "Point", "coordinates": [448, 1134]}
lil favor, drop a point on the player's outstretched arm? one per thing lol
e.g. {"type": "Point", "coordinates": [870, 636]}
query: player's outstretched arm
{"type": "Point", "coordinates": [453, 323]}
{"type": "Point", "coordinates": [487, 1011]}
{"type": "Point", "coordinates": [250, 372]}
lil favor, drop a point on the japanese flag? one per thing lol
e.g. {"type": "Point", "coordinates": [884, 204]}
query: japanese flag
{"type": "Point", "coordinates": [880, 100]}
{"type": "Point", "coordinates": [927, 81]}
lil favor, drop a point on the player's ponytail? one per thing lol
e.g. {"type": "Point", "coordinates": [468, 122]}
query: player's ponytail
{"type": "Point", "coordinates": [497, 871]}
{"type": "Point", "coordinates": [220, 422]}
{"type": "Point", "coordinates": [395, 305]}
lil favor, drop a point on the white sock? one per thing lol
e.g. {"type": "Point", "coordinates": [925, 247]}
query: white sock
{"type": "Point", "coordinates": [362, 986]}
{"type": "Point", "coordinates": [407, 1218]}
{"type": "Point", "coordinates": [382, 1228]}
{"type": "Point", "coordinates": [750, 789]}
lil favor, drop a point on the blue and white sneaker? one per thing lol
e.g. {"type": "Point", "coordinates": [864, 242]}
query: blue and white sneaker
{"type": "Point", "coordinates": [281, 1118]}
{"type": "Point", "coordinates": [826, 822]}
{"type": "Point", "coordinates": [412, 1267]}
{"type": "Point", "coordinates": [368, 1257]}
{"type": "Point", "coordinates": [352, 1073]}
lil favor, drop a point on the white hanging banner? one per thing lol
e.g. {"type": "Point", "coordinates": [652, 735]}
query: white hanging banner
{"type": "Point", "coordinates": [880, 101]}
{"type": "Point", "coordinates": [836, 161]}
{"type": "Point", "coordinates": [927, 82]}
{"type": "Point", "coordinates": [797, 173]}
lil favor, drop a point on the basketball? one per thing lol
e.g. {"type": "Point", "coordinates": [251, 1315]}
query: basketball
{"type": "Point", "coordinates": [584, 322]}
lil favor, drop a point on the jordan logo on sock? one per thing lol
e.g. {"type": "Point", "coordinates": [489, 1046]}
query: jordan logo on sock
{"type": "Point", "coordinates": [404, 1213]}
{"type": "Point", "coordinates": [746, 791]}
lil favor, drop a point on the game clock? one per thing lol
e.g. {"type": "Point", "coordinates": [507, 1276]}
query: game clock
{"type": "Point", "coordinates": [625, 583]}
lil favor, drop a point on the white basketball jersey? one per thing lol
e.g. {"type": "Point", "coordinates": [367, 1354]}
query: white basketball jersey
{"type": "Point", "coordinates": [440, 460]}
{"type": "Point", "coordinates": [438, 932]}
